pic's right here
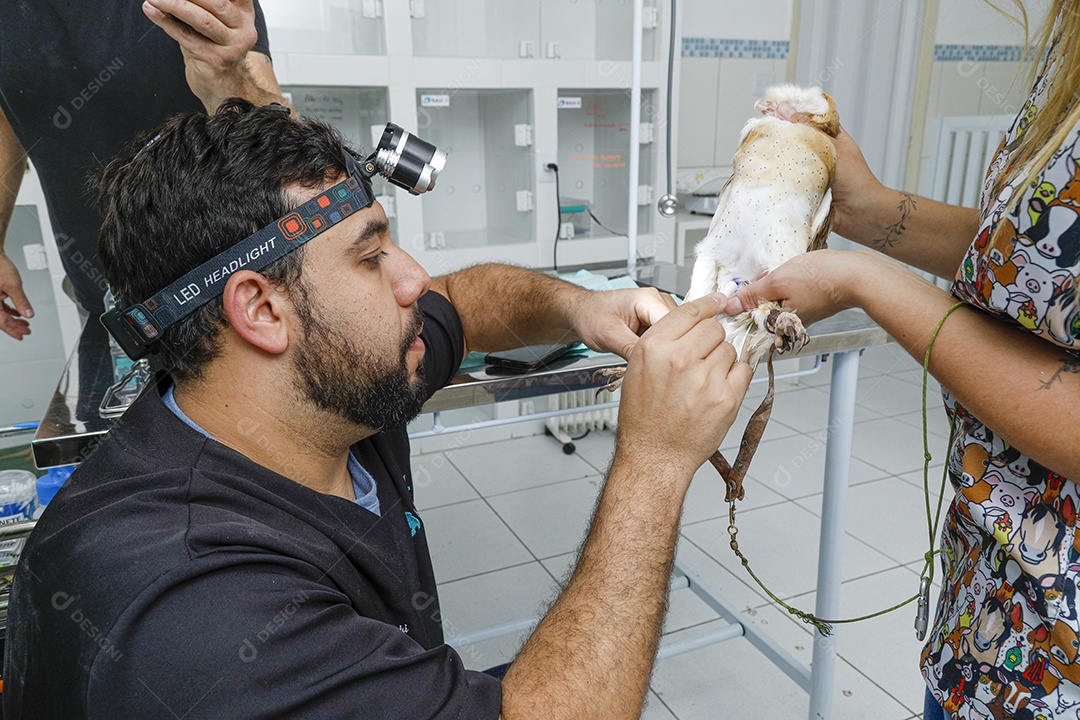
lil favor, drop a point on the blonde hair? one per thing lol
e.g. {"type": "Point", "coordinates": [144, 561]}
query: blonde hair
{"type": "Point", "coordinates": [1059, 113]}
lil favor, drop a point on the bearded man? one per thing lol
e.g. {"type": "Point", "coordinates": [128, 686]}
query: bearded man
{"type": "Point", "coordinates": [244, 543]}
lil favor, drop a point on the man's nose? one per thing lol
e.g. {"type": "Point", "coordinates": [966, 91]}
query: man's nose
{"type": "Point", "coordinates": [411, 282]}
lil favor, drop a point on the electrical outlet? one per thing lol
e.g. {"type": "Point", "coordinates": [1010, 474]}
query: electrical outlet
{"type": "Point", "coordinates": [543, 159]}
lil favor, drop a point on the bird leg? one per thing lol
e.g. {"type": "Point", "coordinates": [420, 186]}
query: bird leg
{"type": "Point", "coordinates": [784, 325]}
{"type": "Point", "coordinates": [613, 375]}
{"type": "Point", "coordinates": [734, 474]}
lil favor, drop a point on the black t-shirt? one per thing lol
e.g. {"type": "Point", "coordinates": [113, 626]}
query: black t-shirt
{"type": "Point", "coordinates": [78, 81]}
{"type": "Point", "coordinates": [174, 577]}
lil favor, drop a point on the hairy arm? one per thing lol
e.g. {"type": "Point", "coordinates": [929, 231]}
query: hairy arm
{"type": "Point", "coordinates": [503, 307]}
{"type": "Point", "coordinates": [216, 41]}
{"type": "Point", "coordinates": [591, 656]}
{"type": "Point", "coordinates": [1025, 389]}
{"type": "Point", "coordinates": [12, 168]}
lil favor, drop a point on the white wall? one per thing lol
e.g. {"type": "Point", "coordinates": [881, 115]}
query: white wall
{"type": "Point", "coordinates": [759, 20]}
{"type": "Point", "coordinates": [973, 22]}
{"type": "Point", "coordinates": [717, 93]}
{"type": "Point", "coordinates": [974, 80]}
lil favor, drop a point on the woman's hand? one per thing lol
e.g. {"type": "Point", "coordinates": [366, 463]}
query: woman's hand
{"type": "Point", "coordinates": [930, 235]}
{"type": "Point", "coordinates": [860, 201]}
{"type": "Point", "coordinates": [817, 284]}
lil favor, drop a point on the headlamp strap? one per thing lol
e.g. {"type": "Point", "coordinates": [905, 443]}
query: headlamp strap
{"type": "Point", "coordinates": [138, 327]}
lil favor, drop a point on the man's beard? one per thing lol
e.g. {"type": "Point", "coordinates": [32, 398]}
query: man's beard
{"type": "Point", "coordinates": [367, 387]}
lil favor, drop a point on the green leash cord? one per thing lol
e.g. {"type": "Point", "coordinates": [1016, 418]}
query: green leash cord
{"type": "Point", "coordinates": [932, 518]}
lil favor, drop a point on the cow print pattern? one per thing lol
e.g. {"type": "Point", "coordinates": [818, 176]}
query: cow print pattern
{"type": "Point", "coordinates": [1006, 637]}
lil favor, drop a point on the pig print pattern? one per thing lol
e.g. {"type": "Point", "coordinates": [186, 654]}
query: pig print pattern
{"type": "Point", "coordinates": [1006, 635]}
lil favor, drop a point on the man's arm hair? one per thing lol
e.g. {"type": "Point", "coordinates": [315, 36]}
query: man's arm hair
{"type": "Point", "coordinates": [12, 169]}
{"type": "Point", "coordinates": [503, 306]}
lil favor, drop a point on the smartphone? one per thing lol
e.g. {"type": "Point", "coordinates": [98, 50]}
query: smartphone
{"type": "Point", "coordinates": [528, 359]}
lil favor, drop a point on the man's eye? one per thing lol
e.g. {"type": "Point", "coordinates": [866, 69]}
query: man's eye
{"type": "Point", "coordinates": [374, 260]}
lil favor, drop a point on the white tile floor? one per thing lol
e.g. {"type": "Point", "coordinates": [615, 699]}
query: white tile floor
{"type": "Point", "coordinates": [506, 518]}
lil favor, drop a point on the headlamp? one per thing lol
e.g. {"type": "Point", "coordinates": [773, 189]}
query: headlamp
{"type": "Point", "coordinates": [401, 157]}
{"type": "Point", "coordinates": [408, 161]}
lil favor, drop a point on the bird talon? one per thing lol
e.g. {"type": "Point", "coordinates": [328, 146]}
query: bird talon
{"type": "Point", "coordinates": [615, 375]}
{"type": "Point", "coordinates": [788, 329]}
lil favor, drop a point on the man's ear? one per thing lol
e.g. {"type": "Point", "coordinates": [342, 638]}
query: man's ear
{"type": "Point", "coordinates": [257, 311]}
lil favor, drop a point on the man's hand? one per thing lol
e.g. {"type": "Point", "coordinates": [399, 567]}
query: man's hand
{"type": "Point", "coordinates": [215, 37]}
{"type": "Point", "coordinates": [611, 321]}
{"type": "Point", "coordinates": [12, 314]}
{"type": "Point", "coordinates": [682, 390]}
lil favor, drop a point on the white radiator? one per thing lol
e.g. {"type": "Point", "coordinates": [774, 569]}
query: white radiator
{"type": "Point", "coordinates": [965, 148]}
{"type": "Point", "coordinates": [566, 428]}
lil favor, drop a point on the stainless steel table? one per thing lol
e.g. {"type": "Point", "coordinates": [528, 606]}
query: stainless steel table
{"type": "Point", "coordinates": [72, 427]}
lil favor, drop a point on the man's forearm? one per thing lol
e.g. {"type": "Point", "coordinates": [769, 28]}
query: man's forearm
{"type": "Point", "coordinates": [503, 307]}
{"type": "Point", "coordinates": [592, 655]}
{"type": "Point", "coordinates": [12, 169]}
{"type": "Point", "coordinates": [253, 81]}
{"type": "Point", "coordinates": [925, 233]}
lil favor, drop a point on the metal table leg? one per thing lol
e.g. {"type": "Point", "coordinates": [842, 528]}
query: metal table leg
{"type": "Point", "coordinates": [845, 376]}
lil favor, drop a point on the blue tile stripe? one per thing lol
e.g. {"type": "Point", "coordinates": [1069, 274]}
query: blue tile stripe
{"type": "Point", "coordinates": [779, 49]}
{"type": "Point", "coordinates": [735, 48]}
{"type": "Point", "coordinates": [983, 53]}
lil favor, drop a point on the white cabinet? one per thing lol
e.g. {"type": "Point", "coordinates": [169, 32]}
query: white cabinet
{"type": "Point", "coordinates": [330, 27]}
{"type": "Point", "coordinates": [360, 114]}
{"type": "Point", "coordinates": [474, 204]}
{"type": "Point", "coordinates": [594, 150]}
{"type": "Point", "coordinates": [487, 82]}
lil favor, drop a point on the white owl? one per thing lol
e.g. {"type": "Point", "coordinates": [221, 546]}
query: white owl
{"type": "Point", "coordinates": [776, 205]}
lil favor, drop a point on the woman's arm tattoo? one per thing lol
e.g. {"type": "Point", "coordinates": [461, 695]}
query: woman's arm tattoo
{"type": "Point", "coordinates": [1069, 364]}
{"type": "Point", "coordinates": [906, 206]}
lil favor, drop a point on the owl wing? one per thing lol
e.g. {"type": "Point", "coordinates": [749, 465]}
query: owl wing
{"type": "Point", "coordinates": [822, 223]}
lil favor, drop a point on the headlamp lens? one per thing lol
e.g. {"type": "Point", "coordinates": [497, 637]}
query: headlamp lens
{"type": "Point", "coordinates": [407, 161]}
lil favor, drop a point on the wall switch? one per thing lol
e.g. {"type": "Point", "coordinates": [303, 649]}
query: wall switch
{"type": "Point", "coordinates": [523, 135]}
{"type": "Point", "coordinates": [524, 200]}
{"type": "Point", "coordinates": [371, 8]}
{"type": "Point", "coordinates": [35, 257]}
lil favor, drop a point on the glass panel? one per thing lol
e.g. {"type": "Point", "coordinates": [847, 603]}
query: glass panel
{"type": "Point", "coordinates": [477, 28]}
{"type": "Point", "coordinates": [592, 30]}
{"type": "Point", "coordinates": [359, 113]}
{"type": "Point", "coordinates": [334, 27]}
{"type": "Point", "coordinates": [594, 147]}
{"type": "Point", "coordinates": [475, 201]}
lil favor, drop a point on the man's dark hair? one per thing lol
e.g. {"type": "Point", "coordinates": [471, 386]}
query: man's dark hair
{"type": "Point", "coordinates": [203, 184]}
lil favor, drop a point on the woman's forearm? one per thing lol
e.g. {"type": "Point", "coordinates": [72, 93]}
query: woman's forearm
{"type": "Point", "coordinates": [1025, 389]}
{"type": "Point", "coordinates": [921, 232]}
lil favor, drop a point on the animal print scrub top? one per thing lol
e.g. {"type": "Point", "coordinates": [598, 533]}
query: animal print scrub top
{"type": "Point", "coordinates": [1005, 637]}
